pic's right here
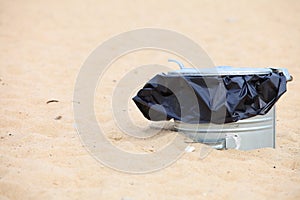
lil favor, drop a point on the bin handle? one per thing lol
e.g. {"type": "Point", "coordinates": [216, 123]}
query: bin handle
{"type": "Point", "coordinates": [180, 64]}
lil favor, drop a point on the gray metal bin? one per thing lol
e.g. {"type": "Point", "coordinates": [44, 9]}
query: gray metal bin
{"type": "Point", "coordinates": [252, 133]}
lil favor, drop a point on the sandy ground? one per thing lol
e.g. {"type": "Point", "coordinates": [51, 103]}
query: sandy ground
{"type": "Point", "coordinates": [43, 45]}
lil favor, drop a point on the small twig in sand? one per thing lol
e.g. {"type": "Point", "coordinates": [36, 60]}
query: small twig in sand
{"type": "Point", "coordinates": [52, 101]}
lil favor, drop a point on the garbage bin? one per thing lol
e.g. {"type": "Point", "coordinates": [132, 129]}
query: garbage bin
{"type": "Point", "coordinates": [224, 107]}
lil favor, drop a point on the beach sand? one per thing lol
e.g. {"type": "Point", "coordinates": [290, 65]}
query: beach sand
{"type": "Point", "coordinates": [43, 45]}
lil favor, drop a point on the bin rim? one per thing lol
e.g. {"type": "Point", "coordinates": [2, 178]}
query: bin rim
{"type": "Point", "coordinates": [221, 71]}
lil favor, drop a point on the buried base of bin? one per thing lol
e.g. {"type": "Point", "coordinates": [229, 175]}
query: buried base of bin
{"type": "Point", "coordinates": [252, 133]}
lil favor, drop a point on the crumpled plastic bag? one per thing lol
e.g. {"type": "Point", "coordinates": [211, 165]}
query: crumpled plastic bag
{"type": "Point", "coordinates": [209, 99]}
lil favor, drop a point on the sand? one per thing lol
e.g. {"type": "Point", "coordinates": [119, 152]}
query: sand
{"type": "Point", "coordinates": [43, 45]}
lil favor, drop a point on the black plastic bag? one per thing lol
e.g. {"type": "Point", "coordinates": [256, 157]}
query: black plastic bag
{"type": "Point", "coordinates": [205, 99]}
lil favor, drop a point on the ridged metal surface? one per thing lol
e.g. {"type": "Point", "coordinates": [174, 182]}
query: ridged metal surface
{"type": "Point", "coordinates": [252, 133]}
